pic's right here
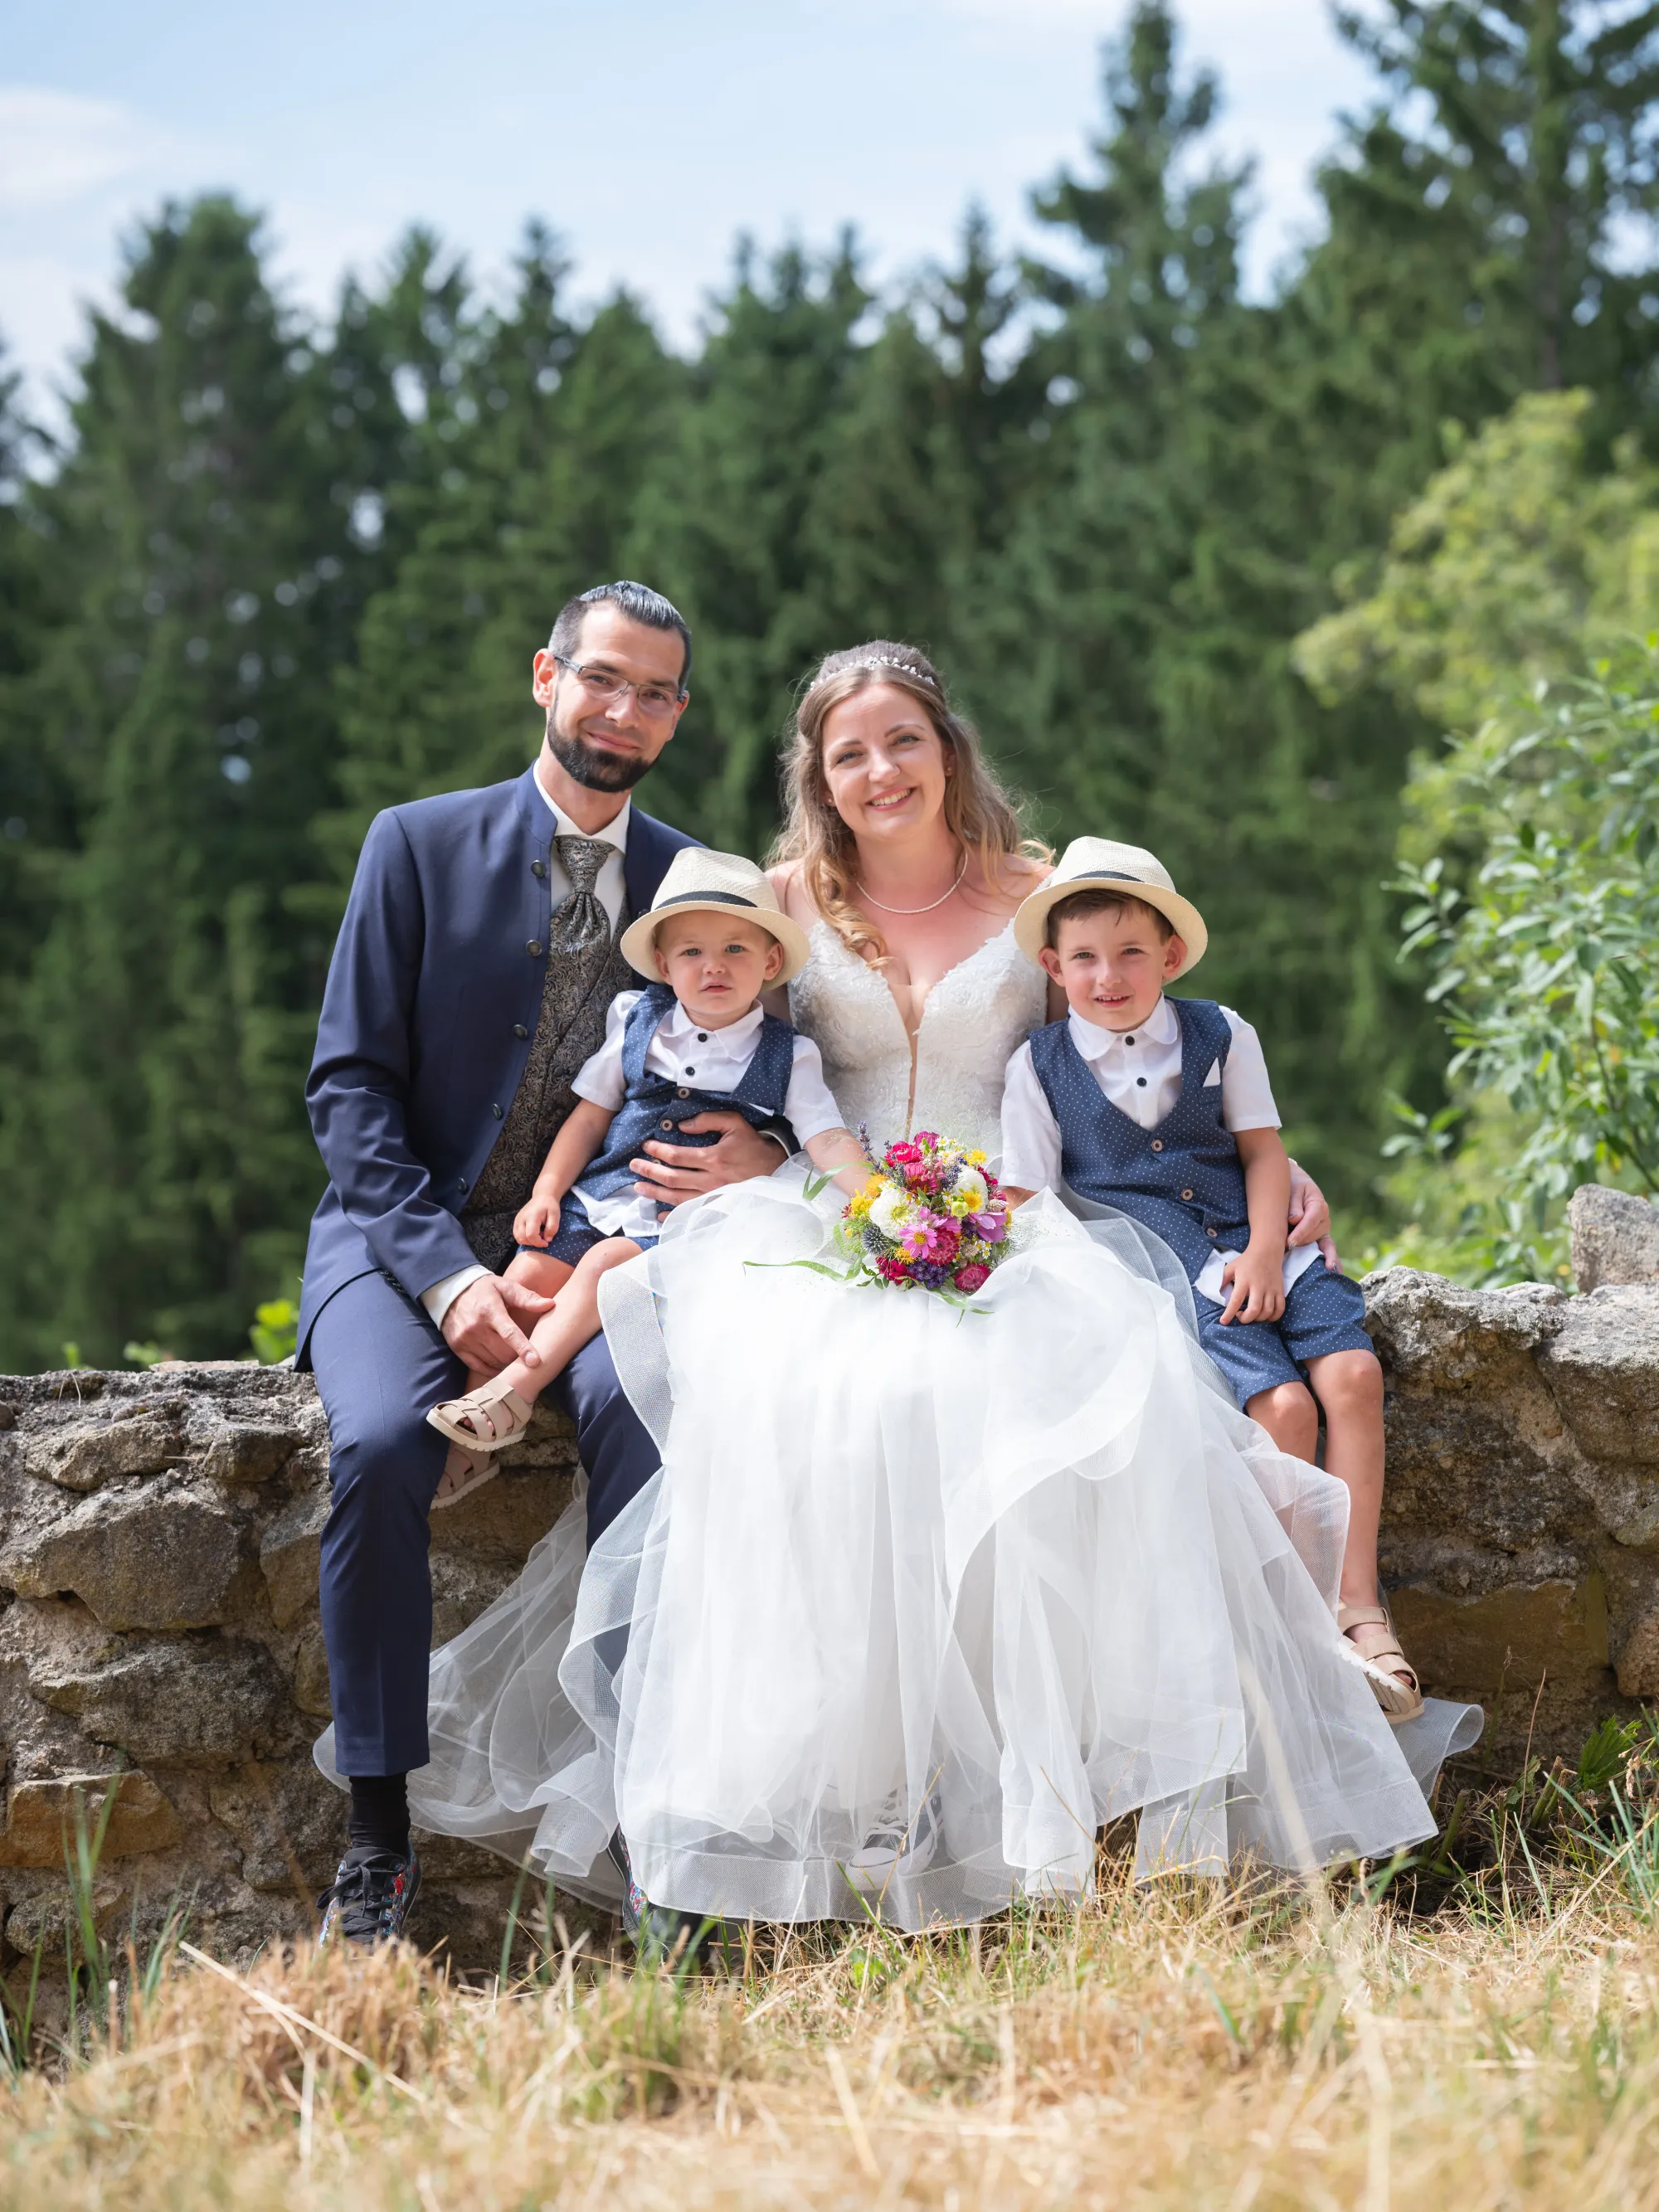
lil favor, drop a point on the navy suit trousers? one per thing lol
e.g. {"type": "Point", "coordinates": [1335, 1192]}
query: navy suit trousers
{"type": "Point", "coordinates": [379, 1363]}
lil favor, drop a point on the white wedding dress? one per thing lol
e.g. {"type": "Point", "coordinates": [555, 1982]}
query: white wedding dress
{"type": "Point", "coordinates": [920, 1599]}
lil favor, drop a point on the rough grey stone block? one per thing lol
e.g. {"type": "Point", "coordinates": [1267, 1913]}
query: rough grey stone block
{"type": "Point", "coordinates": [1615, 1236]}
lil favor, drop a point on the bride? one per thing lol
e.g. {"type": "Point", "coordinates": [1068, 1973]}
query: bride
{"type": "Point", "coordinates": [920, 1599]}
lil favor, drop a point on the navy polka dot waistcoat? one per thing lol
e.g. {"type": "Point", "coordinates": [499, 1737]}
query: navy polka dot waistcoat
{"type": "Point", "coordinates": [1182, 1179]}
{"type": "Point", "coordinates": [653, 1107]}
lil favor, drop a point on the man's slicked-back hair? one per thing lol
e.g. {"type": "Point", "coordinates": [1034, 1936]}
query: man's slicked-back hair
{"type": "Point", "coordinates": [638, 602]}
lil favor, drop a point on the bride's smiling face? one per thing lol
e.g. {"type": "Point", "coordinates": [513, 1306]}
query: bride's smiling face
{"type": "Point", "coordinates": [885, 766]}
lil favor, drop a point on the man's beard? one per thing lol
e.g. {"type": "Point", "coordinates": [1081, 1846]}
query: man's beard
{"type": "Point", "coordinates": [592, 769]}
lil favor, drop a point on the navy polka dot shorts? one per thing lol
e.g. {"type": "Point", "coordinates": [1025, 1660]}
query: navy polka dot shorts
{"type": "Point", "coordinates": [1322, 1313]}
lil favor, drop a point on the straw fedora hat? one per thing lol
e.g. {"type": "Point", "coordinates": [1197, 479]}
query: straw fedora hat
{"type": "Point", "coordinates": [1091, 864]}
{"type": "Point", "coordinates": [701, 882]}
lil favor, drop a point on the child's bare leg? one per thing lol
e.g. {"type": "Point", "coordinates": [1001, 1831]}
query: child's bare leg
{"type": "Point", "coordinates": [1288, 1413]}
{"type": "Point", "coordinates": [1349, 1387]}
{"type": "Point", "coordinates": [542, 1272]}
{"type": "Point", "coordinates": [574, 1321]}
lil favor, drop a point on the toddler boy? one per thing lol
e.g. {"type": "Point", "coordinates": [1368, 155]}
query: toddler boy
{"type": "Point", "coordinates": [695, 1039]}
{"type": "Point", "coordinates": [1162, 1107]}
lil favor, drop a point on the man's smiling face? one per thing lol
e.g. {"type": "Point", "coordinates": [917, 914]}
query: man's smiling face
{"type": "Point", "coordinates": [608, 744]}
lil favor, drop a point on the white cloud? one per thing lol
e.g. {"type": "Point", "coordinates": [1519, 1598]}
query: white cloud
{"type": "Point", "coordinates": [56, 147]}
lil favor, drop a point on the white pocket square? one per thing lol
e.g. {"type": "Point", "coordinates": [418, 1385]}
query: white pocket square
{"type": "Point", "coordinates": [1214, 1075]}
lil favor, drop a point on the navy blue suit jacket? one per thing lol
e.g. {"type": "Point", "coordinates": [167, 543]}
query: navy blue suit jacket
{"type": "Point", "coordinates": [432, 998]}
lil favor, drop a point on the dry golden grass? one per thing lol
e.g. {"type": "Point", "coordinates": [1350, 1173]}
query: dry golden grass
{"type": "Point", "coordinates": [1158, 2048]}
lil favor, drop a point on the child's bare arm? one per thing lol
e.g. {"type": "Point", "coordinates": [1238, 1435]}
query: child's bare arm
{"type": "Point", "coordinates": [581, 1139]}
{"type": "Point", "coordinates": [838, 1153]}
{"type": "Point", "coordinates": [1257, 1277]}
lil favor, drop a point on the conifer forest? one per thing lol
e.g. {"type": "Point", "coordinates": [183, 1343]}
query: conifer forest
{"type": "Point", "coordinates": [278, 572]}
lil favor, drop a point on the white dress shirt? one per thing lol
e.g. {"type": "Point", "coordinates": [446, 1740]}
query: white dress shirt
{"type": "Point", "coordinates": [611, 888]}
{"type": "Point", "coordinates": [715, 1061]}
{"type": "Point", "coordinates": [1139, 1072]}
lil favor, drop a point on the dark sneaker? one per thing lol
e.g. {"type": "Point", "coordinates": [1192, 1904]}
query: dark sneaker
{"type": "Point", "coordinates": [658, 1931]}
{"type": "Point", "coordinates": [371, 1898]}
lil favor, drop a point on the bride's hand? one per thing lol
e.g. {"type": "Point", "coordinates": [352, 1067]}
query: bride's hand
{"type": "Point", "coordinates": [1310, 1217]}
{"type": "Point", "coordinates": [677, 1172]}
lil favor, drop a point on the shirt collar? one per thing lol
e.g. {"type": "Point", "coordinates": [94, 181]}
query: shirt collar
{"type": "Point", "coordinates": [614, 833]}
{"type": "Point", "coordinates": [678, 1024]}
{"type": "Point", "coordinates": [1161, 1026]}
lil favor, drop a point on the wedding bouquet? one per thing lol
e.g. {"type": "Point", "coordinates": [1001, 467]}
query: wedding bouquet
{"type": "Point", "coordinates": [930, 1217]}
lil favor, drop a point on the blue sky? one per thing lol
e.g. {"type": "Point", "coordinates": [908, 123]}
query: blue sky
{"type": "Point", "coordinates": [647, 135]}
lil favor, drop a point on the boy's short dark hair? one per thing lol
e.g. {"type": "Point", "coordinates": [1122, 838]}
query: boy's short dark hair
{"type": "Point", "coordinates": [1085, 902]}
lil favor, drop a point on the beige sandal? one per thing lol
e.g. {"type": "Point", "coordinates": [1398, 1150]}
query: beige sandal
{"type": "Point", "coordinates": [463, 1472]}
{"type": "Point", "coordinates": [497, 1414]}
{"type": "Point", "coordinates": [1401, 1699]}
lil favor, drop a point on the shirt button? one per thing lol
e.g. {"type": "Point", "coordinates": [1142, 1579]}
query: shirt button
{"type": "Point", "coordinates": [534, 948]}
{"type": "Point", "coordinates": [1140, 1081]}
{"type": "Point", "coordinates": [690, 1071]}
{"type": "Point", "coordinates": [703, 1036]}
{"type": "Point", "coordinates": [497, 1111]}
{"type": "Point", "coordinates": [1186, 1193]}
{"type": "Point", "coordinates": [1158, 1144]}
{"type": "Point", "coordinates": [1128, 1040]}
{"type": "Point", "coordinates": [520, 1030]}
{"type": "Point", "coordinates": [538, 867]}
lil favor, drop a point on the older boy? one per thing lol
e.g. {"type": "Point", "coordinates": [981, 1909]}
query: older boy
{"type": "Point", "coordinates": [1162, 1107]}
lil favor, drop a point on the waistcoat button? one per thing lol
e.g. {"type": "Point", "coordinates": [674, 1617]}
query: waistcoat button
{"type": "Point", "coordinates": [682, 1092]}
{"type": "Point", "coordinates": [534, 948]}
{"type": "Point", "coordinates": [1186, 1193]}
{"type": "Point", "coordinates": [1209, 1232]}
{"type": "Point", "coordinates": [520, 1030]}
{"type": "Point", "coordinates": [665, 1124]}
{"type": "Point", "coordinates": [1158, 1144]}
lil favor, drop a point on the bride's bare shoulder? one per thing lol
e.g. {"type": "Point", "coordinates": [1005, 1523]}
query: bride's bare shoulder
{"type": "Point", "coordinates": [786, 880]}
{"type": "Point", "coordinates": [1018, 876]}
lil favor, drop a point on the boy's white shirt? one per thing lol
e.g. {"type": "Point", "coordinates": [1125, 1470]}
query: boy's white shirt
{"type": "Point", "coordinates": [701, 1059]}
{"type": "Point", "coordinates": [1139, 1072]}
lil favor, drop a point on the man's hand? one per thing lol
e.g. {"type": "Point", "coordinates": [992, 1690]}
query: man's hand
{"type": "Point", "coordinates": [1310, 1217]}
{"type": "Point", "coordinates": [483, 1324]}
{"type": "Point", "coordinates": [1257, 1277]}
{"type": "Point", "coordinates": [674, 1173]}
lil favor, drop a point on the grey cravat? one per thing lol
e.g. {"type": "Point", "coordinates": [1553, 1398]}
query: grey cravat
{"type": "Point", "coordinates": [579, 923]}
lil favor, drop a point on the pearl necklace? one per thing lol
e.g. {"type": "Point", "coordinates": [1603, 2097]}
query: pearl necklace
{"type": "Point", "coordinates": [884, 908]}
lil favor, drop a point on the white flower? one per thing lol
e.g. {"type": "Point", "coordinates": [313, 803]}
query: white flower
{"type": "Point", "coordinates": [968, 1193]}
{"type": "Point", "coordinates": [892, 1211]}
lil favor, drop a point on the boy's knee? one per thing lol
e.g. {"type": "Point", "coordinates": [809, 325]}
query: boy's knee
{"type": "Point", "coordinates": [1348, 1383]}
{"type": "Point", "coordinates": [1288, 1413]}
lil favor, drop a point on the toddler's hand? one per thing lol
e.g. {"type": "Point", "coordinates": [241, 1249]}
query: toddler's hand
{"type": "Point", "coordinates": [1257, 1286]}
{"type": "Point", "coordinates": [536, 1221]}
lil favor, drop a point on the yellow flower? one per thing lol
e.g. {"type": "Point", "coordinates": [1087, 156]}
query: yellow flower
{"type": "Point", "coordinates": [865, 1198]}
{"type": "Point", "coordinates": [976, 1159]}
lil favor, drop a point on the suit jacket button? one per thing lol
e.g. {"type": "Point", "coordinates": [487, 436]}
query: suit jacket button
{"type": "Point", "coordinates": [534, 948]}
{"type": "Point", "coordinates": [520, 1030]}
{"type": "Point", "coordinates": [497, 1111]}
{"type": "Point", "coordinates": [461, 1186]}
{"type": "Point", "coordinates": [1186, 1193]}
{"type": "Point", "coordinates": [1158, 1144]}
{"type": "Point", "coordinates": [538, 867]}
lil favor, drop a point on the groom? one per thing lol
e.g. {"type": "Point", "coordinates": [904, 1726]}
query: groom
{"type": "Point", "coordinates": [473, 970]}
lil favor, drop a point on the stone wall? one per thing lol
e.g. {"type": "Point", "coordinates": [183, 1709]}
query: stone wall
{"type": "Point", "coordinates": [158, 1586]}
{"type": "Point", "coordinates": [158, 1578]}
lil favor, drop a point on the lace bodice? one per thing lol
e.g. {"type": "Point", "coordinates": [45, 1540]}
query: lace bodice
{"type": "Point", "coordinates": [949, 1077]}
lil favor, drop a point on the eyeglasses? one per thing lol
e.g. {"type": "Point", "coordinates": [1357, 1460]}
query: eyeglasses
{"type": "Point", "coordinates": [655, 700]}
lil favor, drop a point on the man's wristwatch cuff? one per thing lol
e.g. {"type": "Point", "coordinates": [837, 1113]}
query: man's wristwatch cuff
{"type": "Point", "coordinates": [441, 1296]}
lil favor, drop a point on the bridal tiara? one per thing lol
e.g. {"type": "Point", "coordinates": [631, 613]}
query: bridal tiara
{"type": "Point", "coordinates": [887, 660]}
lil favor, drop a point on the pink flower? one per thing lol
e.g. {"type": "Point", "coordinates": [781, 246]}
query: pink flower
{"type": "Point", "coordinates": [892, 1269]}
{"type": "Point", "coordinates": [972, 1277]}
{"type": "Point", "coordinates": [992, 1225]}
{"type": "Point", "coordinates": [926, 1137]}
{"type": "Point", "coordinates": [934, 1238]}
{"type": "Point", "coordinates": [904, 1156]}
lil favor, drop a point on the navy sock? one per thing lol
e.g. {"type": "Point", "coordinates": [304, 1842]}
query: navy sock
{"type": "Point", "coordinates": [380, 1813]}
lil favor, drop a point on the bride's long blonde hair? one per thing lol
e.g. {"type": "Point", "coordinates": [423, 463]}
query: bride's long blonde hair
{"type": "Point", "coordinates": [980, 814]}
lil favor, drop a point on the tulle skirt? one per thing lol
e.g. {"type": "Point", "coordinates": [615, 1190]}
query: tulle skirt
{"type": "Point", "coordinates": [920, 1599]}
